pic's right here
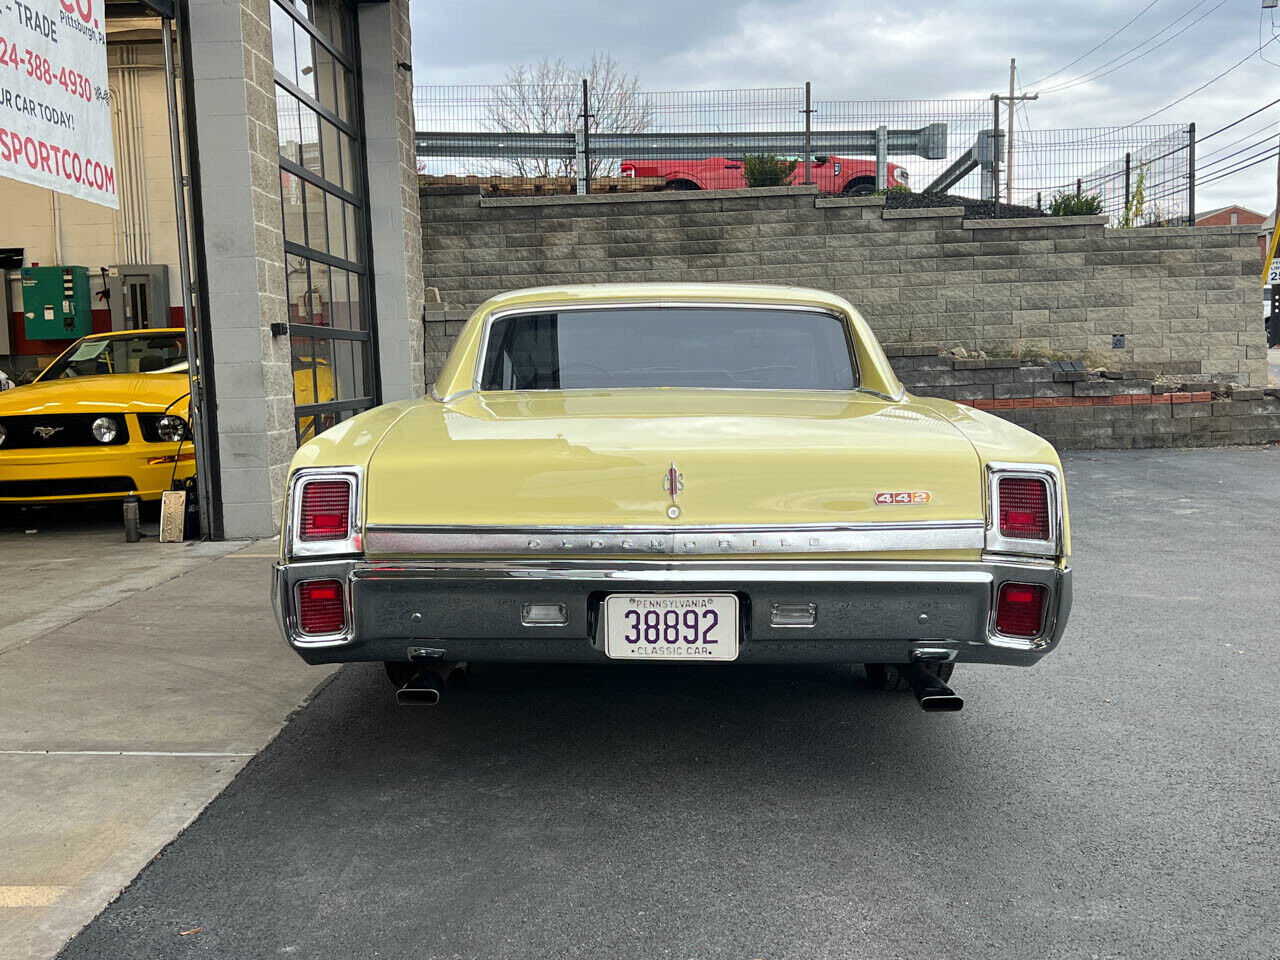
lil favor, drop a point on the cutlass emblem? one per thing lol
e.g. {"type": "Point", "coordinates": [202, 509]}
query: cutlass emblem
{"type": "Point", "coordinates": [673, 483]}
{"type": "Point", "coordinates": [44, 433]}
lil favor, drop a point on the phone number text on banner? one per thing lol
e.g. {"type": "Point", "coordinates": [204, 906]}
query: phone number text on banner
{"type": "Point", "coordinates": [55, 102]}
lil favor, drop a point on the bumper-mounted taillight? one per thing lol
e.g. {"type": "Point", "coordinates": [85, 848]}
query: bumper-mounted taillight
{"type": "Point", "coordinates": [322, 607]}
{"type": "Point", "coordinates": [323, 515]}
{"type": "Point", "coordinates": [1020, 609]}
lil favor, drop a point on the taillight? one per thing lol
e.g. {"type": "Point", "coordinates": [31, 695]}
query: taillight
{"type": "Point", "coordinates": [321, 609]}
{"type": "Point", "coordinates": [1024, 508]}
{"type": "Point", "coordinates": [325, 512]}
{"type": "Point", "coordinates": [1020, 609]}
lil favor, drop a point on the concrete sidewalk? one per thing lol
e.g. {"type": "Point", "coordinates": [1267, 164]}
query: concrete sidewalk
{"type": "Point", "coordinates": [136, 680]}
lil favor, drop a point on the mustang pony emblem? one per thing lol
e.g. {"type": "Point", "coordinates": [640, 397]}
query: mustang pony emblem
{"type": "Point", "coordinates": [44, 433]}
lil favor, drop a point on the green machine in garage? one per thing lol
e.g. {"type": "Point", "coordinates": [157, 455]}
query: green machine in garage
{"type": "Point", "coordinates": [55, 303]}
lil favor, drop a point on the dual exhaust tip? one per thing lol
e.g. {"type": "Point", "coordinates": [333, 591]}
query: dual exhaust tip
{"type": "Point", "coordinates": [423, 688]}
{"type": "Point", "coordinates": [933, 695]}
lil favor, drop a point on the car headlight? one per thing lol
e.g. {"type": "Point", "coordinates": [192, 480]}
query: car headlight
{"type": "Point", "coordinates": [3, 433]}
{"type": "Point", "coordinates": [902, 175]}
{"type": "Point", "coordinates": [171, 428]}
{"type": "Point", "coordinates": [105, 429]}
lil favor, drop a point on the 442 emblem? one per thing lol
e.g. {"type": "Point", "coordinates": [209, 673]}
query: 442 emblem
{"type": "Point", "coordinates": [908, 496]}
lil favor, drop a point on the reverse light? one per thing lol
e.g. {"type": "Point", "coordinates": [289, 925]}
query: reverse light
{"type": "Point", "coordinates": [321, 607]}
{"type": "Point", "coordinates": [325, 510]}
{"type": "Point", "coordinates": [1020, 609]}
{"type": "Point", "coordinates": [1024, 508]}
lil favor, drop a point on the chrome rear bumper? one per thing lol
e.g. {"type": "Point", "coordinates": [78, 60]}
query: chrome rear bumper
{"type": "Point", "coordinates": [868, 612]}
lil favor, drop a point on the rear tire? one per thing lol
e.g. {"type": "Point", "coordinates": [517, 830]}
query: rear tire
{"type": "Point", "coordinates": [681, 185]}
{"type": "Point", "coordinates": [861, 187]}
{"type": "Point", "coordinates": [889, 676]}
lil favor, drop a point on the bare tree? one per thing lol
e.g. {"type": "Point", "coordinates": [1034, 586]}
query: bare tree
{"type": "Point", "coordinates": [547, 98]}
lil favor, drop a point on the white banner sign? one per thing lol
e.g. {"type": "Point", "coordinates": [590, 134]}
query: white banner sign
{"type": "Point", "coordinates": [55, 105]}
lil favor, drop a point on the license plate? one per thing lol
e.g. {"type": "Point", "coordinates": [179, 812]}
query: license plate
{"type": "Point", "coordinates": [669, 626]}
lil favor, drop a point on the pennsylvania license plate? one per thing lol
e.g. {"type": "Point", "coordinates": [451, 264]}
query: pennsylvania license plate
{"type": "Point", "coordinates": [671, 626]}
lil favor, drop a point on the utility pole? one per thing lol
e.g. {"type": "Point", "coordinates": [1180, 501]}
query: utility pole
{"type": "Point", "coordinates": [1012, 100]}
{"type": "Point", "coordinates": [1008, 163]}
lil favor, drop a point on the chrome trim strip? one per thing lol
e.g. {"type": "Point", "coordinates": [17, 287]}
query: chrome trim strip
{"type": "Point", "coordinates": [295, 546]}
{"type": "Point", "coordinates": [675, 541]}
{"type": "Point", "coordinates": [1045, 472]}
{"type": "Point", "coordinates": [844, 321]}
{"type": "Point", "coordinates": [673, 572]}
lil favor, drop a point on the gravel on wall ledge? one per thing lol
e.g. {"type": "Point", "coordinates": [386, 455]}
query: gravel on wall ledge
{"type": "Point", "coordinates": [973, 209]}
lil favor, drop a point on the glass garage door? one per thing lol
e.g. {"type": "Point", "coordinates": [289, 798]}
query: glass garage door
{"type": "Point", "coordinates": [324, 209]}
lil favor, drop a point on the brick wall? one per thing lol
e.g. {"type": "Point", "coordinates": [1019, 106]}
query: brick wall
{"type": "Point", "coordinates": [1073, 409]}
{"type": "Point", "coordinates": [1186, 299]}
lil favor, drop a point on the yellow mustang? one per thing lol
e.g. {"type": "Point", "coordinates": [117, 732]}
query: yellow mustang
{"type": "Point", "coordinates": [105, 419]}
{"type": "Point", "coordinates": [684, 473]}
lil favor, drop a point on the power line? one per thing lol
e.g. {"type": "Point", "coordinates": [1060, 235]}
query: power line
{"type": "Point", "coordinates": [1269, 140]}
{"type": "Point", "coordinates": [1186, 96]}
{"type": "Point", "coordinates": [1094, 73]}
{"type": "Point", "coordinates": [1240, 120]}
{"type": "Point", "coordinates": [1102, 44]}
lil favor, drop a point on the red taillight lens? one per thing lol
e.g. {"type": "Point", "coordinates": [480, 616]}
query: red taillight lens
{"type": "Point", "coordinates": [320, 607]}
{"type": "Point", "coordinates": [1020, 609]}
{"type": "Point", "coordinates": [325, 513]}
{"type": "Point", "coordinates": [1024, 508]}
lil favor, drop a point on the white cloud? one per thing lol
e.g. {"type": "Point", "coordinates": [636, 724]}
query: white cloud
{"type": "Point", "coordinates": [857, 51]}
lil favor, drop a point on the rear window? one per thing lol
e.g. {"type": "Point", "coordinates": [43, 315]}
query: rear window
{"type": "Point", "coordinates": [618, 347]}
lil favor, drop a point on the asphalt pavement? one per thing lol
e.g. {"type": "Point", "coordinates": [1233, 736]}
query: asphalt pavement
{"type": "Point", "coordinates": [1117, 800]}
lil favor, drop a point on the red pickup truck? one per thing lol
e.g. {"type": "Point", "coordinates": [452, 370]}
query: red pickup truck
{"type": "Point", "coordinates": [845, 175]}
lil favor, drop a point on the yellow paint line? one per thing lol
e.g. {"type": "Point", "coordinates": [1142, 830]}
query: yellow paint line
{"type": "Point", "coordinates": [14, 896]}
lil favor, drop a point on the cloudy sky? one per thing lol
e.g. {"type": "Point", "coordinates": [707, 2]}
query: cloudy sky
{"type": "Point", "coordinates": [907, 50]}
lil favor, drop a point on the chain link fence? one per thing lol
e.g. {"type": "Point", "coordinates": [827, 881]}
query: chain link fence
{"type": "Point", "coordinates": [526, 138]}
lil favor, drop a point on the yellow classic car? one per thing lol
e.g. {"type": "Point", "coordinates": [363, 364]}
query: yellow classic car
{"type": "Point", "coordinates": [107, 418]}
{"type": "Point", "coordinates": [677, 473]}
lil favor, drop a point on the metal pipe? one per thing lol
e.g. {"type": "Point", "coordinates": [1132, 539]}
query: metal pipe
{"type": "Point", "coordinates": [421, 690]}
{"type": "Point", "coordinates": [1128, 168]}
{"type": "Point", "coordinates": [995, 153]}
{"type": "Point", "coordinates": [196, 404]}
{"type": "Point", "coordinates": [933, 695]}
{"type": "Point", "coordinates": [586, 133]}
{"type": "Point", "coordinates": [808, 134]}
{"type": "Point", "coordinates": [1191, 175]}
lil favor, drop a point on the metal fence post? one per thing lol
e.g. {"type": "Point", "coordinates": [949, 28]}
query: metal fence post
{"type": "Point", "coordinates": [580, 160]}
{"type": "Point", "coordinates": [586, 137]}
{"type": "Point", "coordinates": [1079, 187]}
{"type": "Point", "coordinates": [995, 152]}
{"type": "Point", "coordinates": [808, 132]}
{"type": "Point", "coordinates": [1191, 175]}
{"type": "Point", "coordinates": [882, 157]}
{"type": "Point", "coordinates": [1128, 169]}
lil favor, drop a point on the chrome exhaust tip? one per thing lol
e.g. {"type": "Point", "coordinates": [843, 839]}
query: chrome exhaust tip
{"type": "Point", "coordinates": [933, 695]}
{"type": "Point", "coordinates": [422, 690]}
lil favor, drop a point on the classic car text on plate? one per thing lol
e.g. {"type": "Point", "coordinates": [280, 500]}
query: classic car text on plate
{"type": "Point", "coordinates": [670, 626]}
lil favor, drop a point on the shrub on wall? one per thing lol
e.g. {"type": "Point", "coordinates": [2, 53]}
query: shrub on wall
{"type": "Point", "coordinates": [1070, 205]}
{"type": "Point", "coordinates": [767, 170]}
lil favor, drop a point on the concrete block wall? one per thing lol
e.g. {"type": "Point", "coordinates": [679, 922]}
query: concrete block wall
{"type": "Point", "coordinates": [1183, 297]}
{"type": "Point", "coordinates": [1074, 410]}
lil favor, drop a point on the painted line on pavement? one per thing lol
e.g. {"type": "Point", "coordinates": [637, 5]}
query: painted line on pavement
{"type": "Point", "coordinates": [29, 896]}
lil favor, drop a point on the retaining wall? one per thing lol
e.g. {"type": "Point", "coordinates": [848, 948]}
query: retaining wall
{"type": "Point", "coordinates": [1185, 299]}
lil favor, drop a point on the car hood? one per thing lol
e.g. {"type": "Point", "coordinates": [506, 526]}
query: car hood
{"type": "Point", "coordinates": [604, 458]}
{"type": "Point", "coordinates": [120, 392]}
